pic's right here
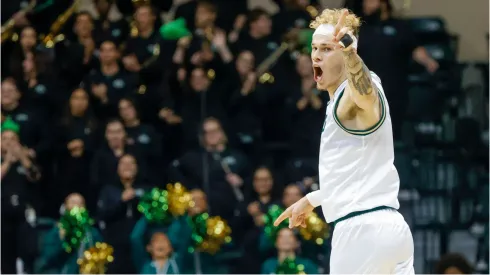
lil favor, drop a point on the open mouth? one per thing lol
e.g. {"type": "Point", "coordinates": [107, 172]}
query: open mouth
{"type": "Point", "coordinates": [317, 73]}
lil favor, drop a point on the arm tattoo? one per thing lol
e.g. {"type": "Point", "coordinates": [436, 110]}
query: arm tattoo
{"type": "Point", "coordinates": [358, 73]}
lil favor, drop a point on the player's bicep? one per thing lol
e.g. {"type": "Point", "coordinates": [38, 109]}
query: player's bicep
{"type": "Point", "coordinates": [364, 101]}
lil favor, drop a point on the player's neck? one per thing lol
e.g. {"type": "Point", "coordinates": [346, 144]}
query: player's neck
{"type": "Point", "coordinates": [332, 88]}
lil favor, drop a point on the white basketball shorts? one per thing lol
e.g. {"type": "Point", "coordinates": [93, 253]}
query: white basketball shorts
{"type": "Point", "coordinates": [378, 242]}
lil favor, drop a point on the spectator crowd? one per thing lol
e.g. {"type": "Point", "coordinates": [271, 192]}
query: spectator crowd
{"type": "Point", "coordinates": [111, 110]}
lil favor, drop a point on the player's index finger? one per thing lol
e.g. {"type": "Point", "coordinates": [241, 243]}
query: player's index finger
{"type": "Point", "coordinates": [282, 217]}
{"type": "Point", "coordinates": [341, 21]}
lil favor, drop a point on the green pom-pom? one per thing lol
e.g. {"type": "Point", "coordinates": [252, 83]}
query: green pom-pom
{"type": "Point", "coordinates": [199, 230]}
{"type": "Point", "coordinates": [10, 125]}
{"type": "Point", "coordinates": [289, 266]}
{"type": "Point", "coordinates": [75, 223]}
{"type": "Point", "coordinates": [154, 206]}
{"type": "Point", "coordinates": [175, 30]}
{"type": "Point", "coordinates": [272, 214]}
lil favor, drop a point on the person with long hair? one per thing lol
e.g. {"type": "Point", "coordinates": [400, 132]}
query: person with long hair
{"type": "Point", "coordinates": [76, 143]}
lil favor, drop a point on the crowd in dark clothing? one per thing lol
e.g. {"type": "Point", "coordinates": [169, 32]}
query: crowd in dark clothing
{"type": "Point", "coordinates": [113, 109]}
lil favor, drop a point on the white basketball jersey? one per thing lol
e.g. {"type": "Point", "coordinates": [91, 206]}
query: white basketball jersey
{"type": "Point", "coordinates": [356, 169]}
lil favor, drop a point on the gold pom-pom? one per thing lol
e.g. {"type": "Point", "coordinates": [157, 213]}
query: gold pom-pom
{"type": "Point", "coordinates": [95, 259]}
{"type": "Point", "coordinates": [316, 229]}
{"type": "Point", "coordinates": [179, 199]}
{"type": "Point", "coordinates": [217, 233]}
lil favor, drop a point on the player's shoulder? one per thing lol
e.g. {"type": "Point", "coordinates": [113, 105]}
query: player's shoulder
{"type": "Point", "coordinates": [375, 77]}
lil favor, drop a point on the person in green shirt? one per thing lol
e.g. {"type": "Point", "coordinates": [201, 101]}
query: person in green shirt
{"type": "Point", "coordinates": [180, 233]}
{"type": "Point", "coordinates": [286, 244]}
{"type": "Point", "coordinates": [53, 258]}
{"type": "Point", "coordinates": [155, 258]}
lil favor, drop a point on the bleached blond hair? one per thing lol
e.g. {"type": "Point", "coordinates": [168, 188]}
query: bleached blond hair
{"type": "Point", "coordinates": [332, 16]}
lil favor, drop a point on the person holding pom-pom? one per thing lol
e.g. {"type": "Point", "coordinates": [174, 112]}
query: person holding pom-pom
{"type": "Point", "coordinates": [286, 261]}
{"type": "Point", "coordinates": [182, 234]}
{"type": "Point", "coordinates": [62, 248]}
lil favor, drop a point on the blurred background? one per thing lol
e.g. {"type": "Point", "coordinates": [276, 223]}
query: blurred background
{"type": "Point", "coordinates": [106, 102]}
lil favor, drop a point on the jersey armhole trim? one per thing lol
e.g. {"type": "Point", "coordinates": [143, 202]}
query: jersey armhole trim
{"type": "Point", "coordinates": [369, 130]}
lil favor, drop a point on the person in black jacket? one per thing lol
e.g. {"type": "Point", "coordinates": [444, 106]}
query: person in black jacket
{"type": "Point", "coordinates": [76, 143]}
{"type": "Point", "coordinates": [20, 198]}
{"type": "Point", "coordinates": [118, 212]}
{"type": "Point", "coordinates": [216, 167]}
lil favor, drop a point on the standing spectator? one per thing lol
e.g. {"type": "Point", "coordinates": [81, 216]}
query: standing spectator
{"type": "Point", "coordinates": [118, 212]}
{"type": "Point", "coordinates": [33, 128]}
{"type": "Point", "coordinates": [105, 162]}
{"type": "Point", "coordinates": [144, 137]}
{"type": "Point", "coordinates": [76, 143]}
{"type": "Point", "coordinates": [110, 82]}
{"type": "Point", "coordinates": [107, 29]}
{"type": "Point", "coordinates": [20, 197]}
{"type": "Point", "coordinates": [76, 57]}
{"type": "Point", "coordinates": [39, 90]}
{"type": "Point", "coordinates": [307, 106]}
{"type": "Point", "coordinates": [217, 168]}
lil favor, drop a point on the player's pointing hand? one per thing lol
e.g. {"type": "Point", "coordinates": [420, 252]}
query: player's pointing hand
{"type": "Point", "coordinates": [343, 35]}
{"type": "Point", "coordinates": [296, 213]}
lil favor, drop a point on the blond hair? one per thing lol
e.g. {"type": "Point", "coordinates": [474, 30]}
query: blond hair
{"type": "Point", "coordinates": [332, 16]}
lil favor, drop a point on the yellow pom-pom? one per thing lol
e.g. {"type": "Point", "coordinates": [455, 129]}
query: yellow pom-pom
{"type": "Point", "coordinates": [179, 199]}
{"type": "Point", "coordinates": [316, 229]}
{"type": "Point", "coordinates": [217, 233]}
{"type": "Point", "coordinates": [95, 259]}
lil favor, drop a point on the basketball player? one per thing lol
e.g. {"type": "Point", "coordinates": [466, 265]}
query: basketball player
{"type": "Point", "coordinates": [358, 181]}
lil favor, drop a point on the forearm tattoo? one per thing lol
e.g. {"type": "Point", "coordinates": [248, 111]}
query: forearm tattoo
{"type": "Point", "coordinates": [358, 73]}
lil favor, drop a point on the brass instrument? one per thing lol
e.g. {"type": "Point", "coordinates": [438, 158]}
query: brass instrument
{"type": "Point", "coordinates": [8, 27]}
{"type": "Point", "coordinates": [290, 43]}
{"type": "Point", "coordinates": [264, 76]}
{"type": "Point", "coordinates": [53, 37]}
{"type": "Point", "coordinates": [132, 25]}
{"type": "Point", "coordinates": [312, 10]}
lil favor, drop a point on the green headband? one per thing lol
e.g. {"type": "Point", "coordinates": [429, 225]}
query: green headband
{"type": "Point", "coordinates": [10, 125]}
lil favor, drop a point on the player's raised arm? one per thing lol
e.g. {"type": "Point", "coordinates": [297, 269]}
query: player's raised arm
{"type": "Point", "coordinates": [361, 89]}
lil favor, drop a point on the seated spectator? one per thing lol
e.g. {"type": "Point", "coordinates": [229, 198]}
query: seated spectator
{"type": "Point", "coordinates": [180, 233]}
{"type": "Point", "coordinates": [76, 143]}
{"type": "Point", "coordinates": [156, 257]}
{"type": "Point", "coordinates": [453, 264]}
{"type": "Point", "coordinates": [217, 168]}
{"type": "Point", "coordinates": [118, 212]}
{"type": "Point", "coordinates": [53, 258]}
{"type": "Point", "coordinates": [287, 245]}
{"type": "Point", "coordinates": [20, 196]}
